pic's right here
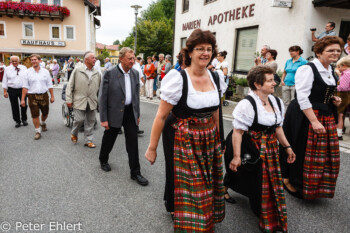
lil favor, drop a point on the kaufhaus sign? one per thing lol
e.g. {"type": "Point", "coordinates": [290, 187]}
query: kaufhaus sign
{"type": "Point", "coordinates": [44, 43]}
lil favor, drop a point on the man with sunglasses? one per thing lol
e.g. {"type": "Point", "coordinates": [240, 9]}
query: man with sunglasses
{"type": "Point", "coordinates": [12, 84]}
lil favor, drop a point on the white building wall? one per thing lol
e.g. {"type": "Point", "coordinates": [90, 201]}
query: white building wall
{"type": "Point", "coordinates": [279, 28]}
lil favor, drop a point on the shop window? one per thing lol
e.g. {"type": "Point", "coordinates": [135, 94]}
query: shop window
{"type": "Point", "coordinates": [69, 32]}
{"type": "Point", "coordinates": [245, 49]}
{"type": "Point", "coordinates": [183, 42]}
{"type": "Point", "coordinates": [185, 5]}
{"type": "Point", "coordinates": [55, 32]}
{"type": "Point", "coordinates": [28, 30]}
{"type": "Point", "coordinates": [2, 29]}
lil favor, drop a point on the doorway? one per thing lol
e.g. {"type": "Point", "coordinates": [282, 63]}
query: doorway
{"type": "Point", "coordinates": [344, 30]}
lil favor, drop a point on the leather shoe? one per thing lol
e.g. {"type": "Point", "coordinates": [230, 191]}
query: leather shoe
{"type": "Point", "coordinates": [74, 139]}
{"type": "Point", "coordinates": [140, 180]}
{"type": "Point", "coordinates": [105, 167]}
{"type": "Point", "coordinates": [37, 136]}
{"type": "Point", "coordinates": [230, 199]}
{"type": "Point", "coordinates": [120, 131]}
{"type": "Point", "coordinates": [90, 145]}
{"type": "Point", "coordinates": [18, 124]}
{"type": "Point", "coordinates": [25, 123]}
{"type": "Point", "coordinates": [140, 131]}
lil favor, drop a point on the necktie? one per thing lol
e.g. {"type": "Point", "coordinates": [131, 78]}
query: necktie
{"type": "Point", "coordinates": [17, 69]}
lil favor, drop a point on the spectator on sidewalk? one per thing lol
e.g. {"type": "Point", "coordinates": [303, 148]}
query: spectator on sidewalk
{"type": "Point", "coordinates": [288, 76]}
{"type": "Point", "coordinates": [155, 63]}
{"type": "Point", "coordinates": [161, 64]}
{"type": "Point", "coordinates": [347, 46]}
{"type": "Point", "coordinates": [343, 91]}
{"type": "Point", "coordinates": [54, 71]}
{"type": "Point", "coordinates": [328, 32]}
{"type": "Point", "coordinates": [2, 70]}
{"type": "Point", "coordinates": [36, 84]}
{"type": "Point", "coordinates": [262, 59]}
{"type": "Point", "coordinates": [81, 95]}
{"type": "Point", "coordinates": [150, 72]}
{"type": "Point", "coordinates": [167, 67]}
{"type": "Point", "coordinates": [108, 64]}
{"type": "Point", "coordinates": [70, 67]}
{"type": "Point", "coordinates": [12, 84]}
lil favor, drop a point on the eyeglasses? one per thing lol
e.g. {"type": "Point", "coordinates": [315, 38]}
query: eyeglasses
{"type": "Point", "coordinates": [333, 51]}
{"type": "Point", "coordinates": [202, 50]}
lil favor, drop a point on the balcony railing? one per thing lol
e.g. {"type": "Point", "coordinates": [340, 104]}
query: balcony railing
{"type": "Point", "coordinates": [22, 9]}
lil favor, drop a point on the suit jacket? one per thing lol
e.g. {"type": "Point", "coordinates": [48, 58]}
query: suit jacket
{"type": "Point", "coordinates": [81, 91]}
{"type": "Point", "coordinates": [112, 96]}
{"type": "Point", "coordinates": [70, 67]}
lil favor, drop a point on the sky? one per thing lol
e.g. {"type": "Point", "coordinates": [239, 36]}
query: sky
{"type": "Point", "coordinates": [117, 19]}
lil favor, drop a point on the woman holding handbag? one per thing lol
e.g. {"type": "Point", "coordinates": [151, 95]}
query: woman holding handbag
{"type": "Point", "coordinates": [188, 118]}
{"type": "Point", "coordinates": [252, 156]}
{"type": "Point", "coordinates": [150, 72]}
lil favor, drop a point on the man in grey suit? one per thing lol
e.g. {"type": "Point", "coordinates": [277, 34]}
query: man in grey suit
{"type": "Point", "coordinates": [119, 105]}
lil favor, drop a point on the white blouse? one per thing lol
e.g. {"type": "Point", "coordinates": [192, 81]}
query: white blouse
{"type": "Point", "coordinates": [244, 113]}
{"type": "Point", "coordinates": [171, 91]}
{"type": "Point", "coordinates": [304, 78]}
{"type": "Point", "coordinates": [221, 65]}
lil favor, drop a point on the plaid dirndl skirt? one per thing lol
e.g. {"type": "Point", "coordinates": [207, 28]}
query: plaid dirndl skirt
{"type": "Point", "coordinates": [198, 169]}
{"type": "Point", "coordinates": [322, 160]}
{"type": "Point", "coordinates": [273, 216]}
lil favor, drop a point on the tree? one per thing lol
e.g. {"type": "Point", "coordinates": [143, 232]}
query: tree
{"type": "Point", "coordinates": [154, 29]}
{"type": "Point", "coordinates": [116, 42]}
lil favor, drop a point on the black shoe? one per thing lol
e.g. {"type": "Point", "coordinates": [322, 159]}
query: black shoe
{"type": "Point", "coordinates": [25, 123]}
{"type": "Point", "coordinates": [344, 129]}
{"type": "Point", "coordinates": [140, 180]}
{"type": "Point", "coordinates": [230, 200]}
{"type": "Point", "coordinates": [296, 194]}
{"type": "Point", "coordinates": [105, 167]}
{"type": "Point", "coordinates": [140, 131]}
{"type": "Point", "coordinates": [18, 124]}
{"type": "Point", "coordinates": [340, 138]}
{"type": "Point", "coordinates": [120, 131]}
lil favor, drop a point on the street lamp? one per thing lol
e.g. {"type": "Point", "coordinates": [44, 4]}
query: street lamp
{"type": "Point", "coordinates": [136, 7]}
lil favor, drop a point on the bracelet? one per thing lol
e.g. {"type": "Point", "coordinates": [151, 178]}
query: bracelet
{"type": "Point", "coordinates": [286, 147]}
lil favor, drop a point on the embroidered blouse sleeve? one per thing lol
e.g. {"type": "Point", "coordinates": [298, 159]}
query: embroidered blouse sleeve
{"type": "Point", "coordinates": [243, 115]}
{"type": "Point", "coordinates": [304, 78]}
{"type": "Point", "coordinates": [171, 88]}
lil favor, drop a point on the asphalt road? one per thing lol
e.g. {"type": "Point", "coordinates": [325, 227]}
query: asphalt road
{"type": "Point", "coordinates": [52, 181]}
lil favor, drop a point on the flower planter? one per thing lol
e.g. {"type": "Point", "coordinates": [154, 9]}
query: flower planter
{"type": "Point", "coordinates": [242, 90]}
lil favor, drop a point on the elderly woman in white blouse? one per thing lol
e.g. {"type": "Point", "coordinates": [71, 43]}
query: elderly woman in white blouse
{"type": "Point", "coordinates": [188, 117]}
{"type": "Point", "coordinates": [257, 127]}
{"type": "Point", "coordinates": [310, 126]}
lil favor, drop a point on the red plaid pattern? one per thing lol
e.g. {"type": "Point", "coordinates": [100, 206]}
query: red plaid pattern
{"type": "Point", "coordinates": [322, 160]}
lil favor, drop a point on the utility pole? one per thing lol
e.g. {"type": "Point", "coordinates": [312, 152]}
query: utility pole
{"type": "Point", "coordinates": [136, 7]}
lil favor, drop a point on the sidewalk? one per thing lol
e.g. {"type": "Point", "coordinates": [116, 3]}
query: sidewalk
{"type": "Point", "coordinates": [227, 115]}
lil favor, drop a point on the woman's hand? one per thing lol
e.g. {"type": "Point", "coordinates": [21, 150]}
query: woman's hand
{"type": "Point", "coordinates": [282, 83]}
{"type": "Point", "coordinates": [336, 100]}
{"type": "Point", "coordinates": [151, 155]}
{"type": "Point", "coordinates": [318, 127]}
{"type": "Point", "coordinates": [235, 163]}
{"type": "Point", "coordinates": [291, 155]}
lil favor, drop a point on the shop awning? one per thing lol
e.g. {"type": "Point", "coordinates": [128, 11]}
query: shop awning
{"type": "Point", "coordinates": [344, 4]}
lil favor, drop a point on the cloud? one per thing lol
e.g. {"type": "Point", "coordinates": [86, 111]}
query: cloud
{"type": "Point", "coordinates": [118, 19]}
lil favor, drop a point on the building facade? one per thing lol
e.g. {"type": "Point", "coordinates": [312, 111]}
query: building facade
{"type": "Point", "coordinates": [243, 27]}
{"type": "Point", "coordinates": [113, 51]}
{"type": "Point", "coordinates": [52, 28]}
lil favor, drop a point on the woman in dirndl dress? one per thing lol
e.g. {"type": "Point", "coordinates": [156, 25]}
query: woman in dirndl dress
{"type": "Point", "coordinates": [257, 127]}
{"type": "Point", "coordinates": [188, 117]}
{"type": "Point", "coordinates": [310, 126]}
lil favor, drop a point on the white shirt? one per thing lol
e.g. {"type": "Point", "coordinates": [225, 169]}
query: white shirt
{"type": "Point", "coordinates": [304, 77]}
{"type": "Point", "coordinates": [128, 97]}
{"type": "Point", "coordinates": [244, 113]}
{"type": "Point", "coordinates": [171, 91]}
{"type": "Point", "coordinates": [78, 64]}
{"type": "Point", "coordinates": [11, 79]}
{"type": "Point", "coordinates": [89, 72]}
{"type": "Point", "coordinates": [221, 65]}
{"type": "Point", "coordinates": [37, 82]}
{"type": "Point", "coordinates": [42, 64]}
{"type": "Point", "coordinates": [137, 67]}
{"type": "Point", "coordinates": [214, 62]}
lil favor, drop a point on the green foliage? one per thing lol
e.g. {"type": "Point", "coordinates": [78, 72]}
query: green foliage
{"type": "Point", "coordinates": [154, 29]}
{"type": "Point", "coordinates": [241, 81]}
{"type": "Point", "coordinates": [116, 42]}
